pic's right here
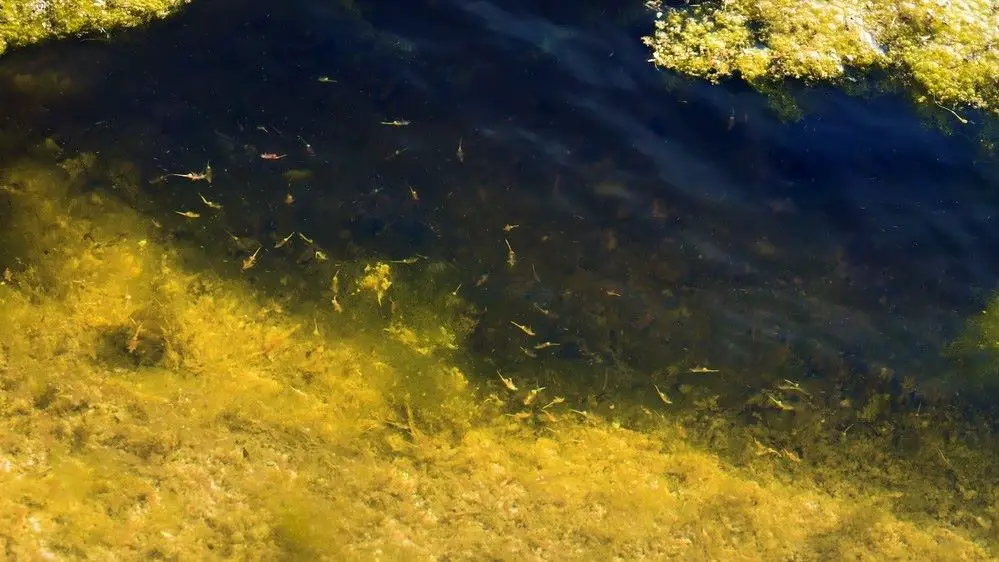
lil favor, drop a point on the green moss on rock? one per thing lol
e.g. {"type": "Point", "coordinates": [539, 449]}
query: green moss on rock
{"type": "Point", "coordinates": [945, 53]}
{"type": "Point", "coordinates": [23, 22]}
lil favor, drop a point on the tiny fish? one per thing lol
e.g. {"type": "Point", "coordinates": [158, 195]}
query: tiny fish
{"type": "Point", "coordinates": [307, 147]}
{"type": "Point", "coordinates": [284, 240]}
{"type": "Point", "coordinates": [251, 260]}
{"type": "Point", "coordinates": [526, 329]}
{"type": "Point", "coordinates": [271, 156]}
{"type": "Point", "coordinates": [193, 176]}
{"type": "Point", "coordinates": [210, 204]}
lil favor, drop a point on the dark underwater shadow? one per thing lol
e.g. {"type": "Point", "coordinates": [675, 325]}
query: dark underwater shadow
{"type": "Point", "coordinates": [664, 222]}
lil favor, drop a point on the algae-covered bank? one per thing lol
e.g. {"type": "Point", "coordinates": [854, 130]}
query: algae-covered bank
{"type": "Point", "coordinates": [328, 292]}
{"type": "Point", "coordinates": [157, 403]}
{"type": "Point", "coordinates": [24, 22]}
{"type": "Point", "coordinates": [942, 54]}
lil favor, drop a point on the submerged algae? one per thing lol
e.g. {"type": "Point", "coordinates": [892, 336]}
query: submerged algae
{"type": "Point", "coordinates": [976, 351]}
{"type": "Point", "coordinates": [267, 425]}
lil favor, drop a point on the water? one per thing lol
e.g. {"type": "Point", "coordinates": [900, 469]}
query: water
{"type": "Point", "coordinates": [613, 233]}
{"type": "Point", "coordinates": [856, 233]}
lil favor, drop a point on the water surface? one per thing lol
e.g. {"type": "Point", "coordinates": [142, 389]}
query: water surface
{"type": "Point", "coordinates": [659, 222]}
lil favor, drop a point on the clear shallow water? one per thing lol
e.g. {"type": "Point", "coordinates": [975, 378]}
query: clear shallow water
{"type": "Point", "coordinates": [661, 226]}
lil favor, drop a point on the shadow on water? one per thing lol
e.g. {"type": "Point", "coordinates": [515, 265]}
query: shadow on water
{"type": "Point", "coordinates": [654, 227]}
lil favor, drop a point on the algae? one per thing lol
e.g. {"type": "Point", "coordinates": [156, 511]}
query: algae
{"type": "Point", "coordinates": [976, 352]}
{"type": "Point", "coordinates": [25, 22]}
{"type": "Point", "coordinates": [206, 388]}
{"type": "Point", "coordinates": [159, 400]}
{"type": "Point", "coordinates": [944, 54]}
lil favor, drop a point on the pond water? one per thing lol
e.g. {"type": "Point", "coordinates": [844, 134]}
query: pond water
{"type": "Point", "coordinates": [656, 223]}
{"type": "Point", "coordinates": [856, 232]}
{"type": "Point", "coordinates": [473, 280]}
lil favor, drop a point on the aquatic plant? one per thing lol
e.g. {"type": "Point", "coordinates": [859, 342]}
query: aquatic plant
{"type": "Point", "coordinates": [23, 22]}
{"type": "Point", "coordinates": [976, 352]}
{"type": "Point", "coordinates": [156, 403]}
{"type": "Point", "coordinates": [945, 54]}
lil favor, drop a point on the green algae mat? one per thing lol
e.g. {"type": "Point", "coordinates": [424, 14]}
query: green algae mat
{"type": "Point", "coordinates": [25, 22]}
{"type": "Point", "coordinates": [158, 401]}
{"type": "Point", "coordinates": [175, 385]}
{"type": "Point", "coordinates": [942, 54]}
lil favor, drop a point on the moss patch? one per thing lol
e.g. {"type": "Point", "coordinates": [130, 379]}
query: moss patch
{"type": "Point", "coordinates": [944, 53]}
{"type": "Point", "coordinates": [23, 22]}
{"type": "Point", "coordinates": [157, 400]}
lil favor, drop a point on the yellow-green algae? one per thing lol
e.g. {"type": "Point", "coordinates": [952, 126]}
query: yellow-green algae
{"type": "Point", "coordinates": [976, 351]}
{"type": "Point", "coordinates": [24, 22]}
{"type": "Point", "coordinates": [154, 403]}
{"type": "Point", "coordinates": [945, 53]}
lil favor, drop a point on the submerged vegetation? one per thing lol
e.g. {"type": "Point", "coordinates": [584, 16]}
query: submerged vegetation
{"type": "Point", "coordinates": [24, 22]}
{"type": "Point", "coordinates": [186, 373]}
{"type": "Point", "coordinates": [946, 54]}
{"type": "Point", "coordinates": [158, 400]}
{"type": "Point", "coordinates": [976, 351]}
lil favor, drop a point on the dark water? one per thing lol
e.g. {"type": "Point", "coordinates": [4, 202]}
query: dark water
{"type": "Point", "coordinates": [661, 222]}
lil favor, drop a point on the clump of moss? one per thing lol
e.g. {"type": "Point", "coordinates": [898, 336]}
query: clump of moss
{"type": "Point", "coordinates": [377, 279]}
{"type": "Point", "coordinates": [23, 22]}
{"type": "Point", "coordinates": [943, 52]}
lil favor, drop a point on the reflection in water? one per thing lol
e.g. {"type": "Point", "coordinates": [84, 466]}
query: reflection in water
{"type": "Point", "coordinates": [586, 228]}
